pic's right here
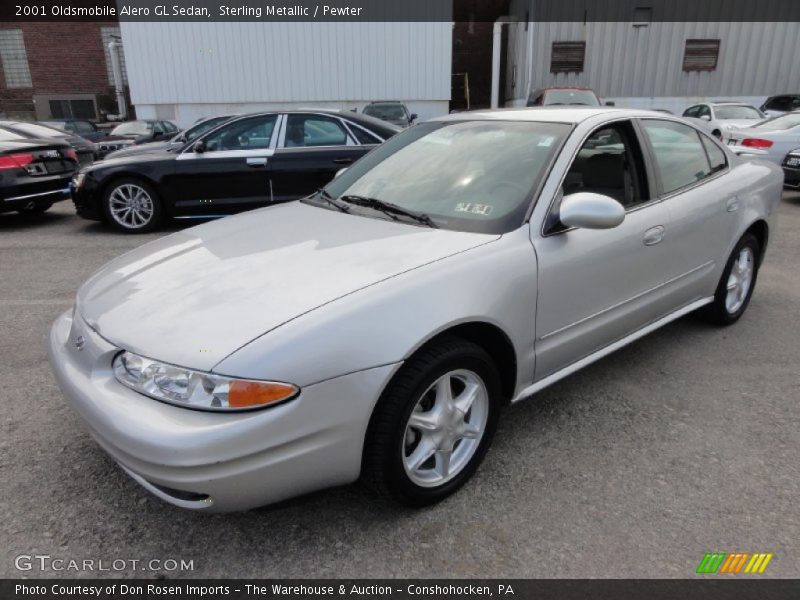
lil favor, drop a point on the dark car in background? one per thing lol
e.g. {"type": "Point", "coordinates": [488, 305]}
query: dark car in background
{"type": "Point", "coordinates": [34, 173]}
{"type": "Point", "coordinates": [246, 162]}
{"type": "Point", "coordinates": [81, 127]}
{"type": "Point", "coordinates": [132, 133]}
{"type": "Point", "coordinates": [199, 128]}
{"type": "Point", "coordinates": [791, 170]}
{"type": "Point", "coordinates": [780, 105]}
{"type": "Point", "coordinates": [392, 112]}
{"type": "Point", "coordinates": [85, 149]}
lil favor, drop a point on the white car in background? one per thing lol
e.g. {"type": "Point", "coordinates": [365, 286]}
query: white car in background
{"type": "Point", "coordinates": [777, 137]}
{"type": "Point", "coordinates": [721, 117]}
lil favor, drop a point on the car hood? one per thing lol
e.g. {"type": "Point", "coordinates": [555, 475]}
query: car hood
{"type": "Point", "coordinates": [196, 296]}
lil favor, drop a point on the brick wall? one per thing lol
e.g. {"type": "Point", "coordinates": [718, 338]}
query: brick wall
{"type": "Point", "coordinates": [64, 58]}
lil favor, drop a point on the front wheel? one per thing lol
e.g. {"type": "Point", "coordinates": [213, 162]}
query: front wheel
{"type": "Point", "coordinates": [737, 283]}
{"type": "Point", "coordinates": [433, 424]}
{"type": "Point", "coordinates": [132, 206]}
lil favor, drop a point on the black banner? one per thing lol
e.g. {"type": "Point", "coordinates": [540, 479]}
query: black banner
{"type": "Point", "coordinates": [395, 10]}
{"type": "Point", "coordinates": [737, 588]}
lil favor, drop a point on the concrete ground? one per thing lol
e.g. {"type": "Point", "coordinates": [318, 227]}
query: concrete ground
{"type": "Point", "coordinates": [686, 442]}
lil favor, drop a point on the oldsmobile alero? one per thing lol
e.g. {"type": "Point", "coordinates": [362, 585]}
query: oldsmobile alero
{"type": "Point", "coordinates": [375, 329]}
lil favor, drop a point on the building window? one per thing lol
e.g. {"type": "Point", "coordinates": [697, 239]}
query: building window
{"type": "Point", "coordinates": [567, 57]}
{"type": "Point", "coordinates": [701, 55]}
{"type": "Point", "coordinates": [113, 34]}
{"type": "Point", "coordinates": [14, 59]}
{"type": "Point", "coordinates": [72, 109]}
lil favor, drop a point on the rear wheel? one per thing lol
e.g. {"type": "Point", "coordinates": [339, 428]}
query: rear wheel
{"type": "Point", "coordinates": [37, 209]}
{"type": "Point", "coordinates": [433, 424]}
{"type": "Point", "coordinates": [737, 283]}
{"type": "Point", "coordinates": [132, 206]}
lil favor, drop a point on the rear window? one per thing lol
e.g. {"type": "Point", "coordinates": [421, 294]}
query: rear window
{"type": "Point", "coordinates": [7, 136]}
{"type": "Point", "coordinates": [40, 131]}
{"type": "Point", "coordinates": [133, 128]}
{"type": "Point", "coordinates": [737, 112]}
{"type": "Point", "coordinates": [571, 97]}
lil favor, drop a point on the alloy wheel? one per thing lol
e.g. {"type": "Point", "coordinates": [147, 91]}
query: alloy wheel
{"type": "Point", "coordinates": [740, 280]}
{"type": "Point", "coordinates": [131, 206]}
{"type": "Point", "coordinates": [445, 428]}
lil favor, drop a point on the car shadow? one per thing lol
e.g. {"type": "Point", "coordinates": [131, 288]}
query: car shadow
{"type": "Point", "coordinates": [20, 221]}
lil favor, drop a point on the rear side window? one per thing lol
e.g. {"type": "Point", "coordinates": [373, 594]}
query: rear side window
{"type": "Point", "coordinates": [715, 155]}
{"type": "Point", "coordinates": [363, 136]}
{"type": "Point", "coordinates": [314, 130]}
{"type": "Point", "coordinates": [679, 154]}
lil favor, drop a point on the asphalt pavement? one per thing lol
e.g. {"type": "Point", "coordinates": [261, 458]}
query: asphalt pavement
{"type": "Point", "coordinates": [686, 442]}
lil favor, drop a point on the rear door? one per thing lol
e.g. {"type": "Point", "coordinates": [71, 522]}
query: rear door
{"type": "Point", "coordinates": [311, 149]}
{"type": "Point", "coordinates": [694, 185]}
{"type": "Point", "coordinates": [232, 174]}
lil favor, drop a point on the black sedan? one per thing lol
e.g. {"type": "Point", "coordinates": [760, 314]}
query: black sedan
{"type": "Point", "coordinates": [132, 133]}
{"type": "Point", "coordinates": [34, 173]}
{"type": "Point", "coordinates": [791, 170]}
{"type": "Point", "coordinates": [38, 131]}
{"type": "Point", "coordinates": [249, 161]}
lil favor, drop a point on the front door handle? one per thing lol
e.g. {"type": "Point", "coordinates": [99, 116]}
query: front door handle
{"type": "Point", "coordinates": [256, 163]}
{"type": "Point", "coordinates": [342, 161]}
{"type": "Point", "coordinates": [653, 236]}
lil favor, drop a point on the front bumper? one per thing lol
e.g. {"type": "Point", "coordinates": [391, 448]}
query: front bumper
{"type": "Point", "coordinates": [791, 177]}
{"type": "Point", "coordinates": [212, 461]}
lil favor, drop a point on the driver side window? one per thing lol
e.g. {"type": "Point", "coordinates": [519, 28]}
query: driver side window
{"type": "Point", "coordinates": [610, 163]}
{"type": "Point", "coordinates": [247, 134]}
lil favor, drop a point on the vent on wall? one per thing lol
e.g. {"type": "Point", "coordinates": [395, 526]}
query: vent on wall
{"type": "Point", "coordinates": [567, 57]}
{"type": "Point", "coordinates": [701, 55]}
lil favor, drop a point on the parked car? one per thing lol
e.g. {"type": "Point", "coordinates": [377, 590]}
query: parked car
{"type": "Point", "coordinates": [721, 117]}
{"type": "Point", "coordinates": [132, 133]}
{"type": "Point", "coordinates": [248, 162]}
{"type": "Point", "coordinates": [176, 142]}
{"type": "Point", "coordinates": [569, 96]}
{"type": "Point", "coordinates": [80, 127]}
{"type": "Point", "coordinates": [776, 136]}
{"type": "Point", "coordinates": [779, 105]}
{"type": "Point", "coordinates": [34, 173]}
{"type": "Point", "coordinates": [791, 169]}
{"type": "Point", "coordinates": [376, 329]}
{"type": "Point", "coordinates": [85, 149]}
{"type": "Point", "coordinates": [395, 113]}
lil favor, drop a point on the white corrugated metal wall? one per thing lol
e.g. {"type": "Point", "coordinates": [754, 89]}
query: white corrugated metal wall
{"type": "Point", "coordinates": [627, 62]}
{"type": "Point", "coordinates": [209, 67]}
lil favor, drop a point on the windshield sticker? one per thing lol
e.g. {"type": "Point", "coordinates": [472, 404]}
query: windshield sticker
{"type": "Point", "coordinates": [475, 209]}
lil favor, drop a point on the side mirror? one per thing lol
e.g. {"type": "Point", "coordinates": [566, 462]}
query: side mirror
{"type": "Point", "coordinates": [705, 117]}
{"type": "Point", "coordinates": [611, 103]}
{"type": "Point", "coordinates": [412, 117]}
{"type": "Point", "coordinates": [199, 147]}
{"type": "Point", "coordinates": [587, 210]}
{"type": "Point", "coordinates": [339, 172]}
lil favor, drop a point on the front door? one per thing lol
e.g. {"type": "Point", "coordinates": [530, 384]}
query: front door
{"type": "Point", "coordinates": [598, 285]}
{"type": "Point", "coordinates": [314, 148]}
{"type": "Point", "coordinates": [231, 173]}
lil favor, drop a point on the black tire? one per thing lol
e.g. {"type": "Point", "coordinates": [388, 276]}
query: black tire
{"type": "Point", "coordinates": [157, 212]}
{"type": "Point", "coordinates": [382, 466]}
{"type": "Point", "coordinates": [717, 312]}
{"type": "Point", "coordinates": [36, 210]}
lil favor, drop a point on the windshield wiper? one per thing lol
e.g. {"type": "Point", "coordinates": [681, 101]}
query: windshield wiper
{"type": "Point", "coordinates": [332, 201]}
{"type": "Point", "coordinates": [389, 209]}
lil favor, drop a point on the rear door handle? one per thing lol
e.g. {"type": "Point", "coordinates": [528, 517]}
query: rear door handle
{"type": "Point", "coordinates": [256, 162]}
{"type": "Point", "coordinates": [342, 161]}
{"type": "Point", "coordinates": [653, 236]}
{"type": "Point", "coordinates": [732, 205]}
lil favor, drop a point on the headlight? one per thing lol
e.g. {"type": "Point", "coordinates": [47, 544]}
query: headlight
{"type": "Point", "coordinates": [194, 389]}
{"type": "Point", "coordinates": [78, 179]}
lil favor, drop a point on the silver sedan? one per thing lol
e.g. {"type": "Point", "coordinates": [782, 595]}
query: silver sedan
{"type": "Point", "coordinates": [776, 137]}
{"type": "Point", "coordinates": [376, 329]}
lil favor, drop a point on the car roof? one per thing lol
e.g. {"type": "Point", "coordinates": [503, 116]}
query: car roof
{"type": "Point", "coordinates": [550, 114]}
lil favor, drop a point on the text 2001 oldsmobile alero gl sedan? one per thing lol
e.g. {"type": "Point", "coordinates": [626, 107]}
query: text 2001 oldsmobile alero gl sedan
{"type": "Point", "coordinates": [375, 329]}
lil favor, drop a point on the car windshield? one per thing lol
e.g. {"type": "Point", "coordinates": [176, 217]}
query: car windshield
{"type": "Point", "coordinates": [581, 97]}
{"type": "Point", "coordinates": [465, 175]}
{"type": "Point", "coordinates": [737, 111]}
{"type": "Point", "coordinates": [387, 112]}
{"type": "Point", "coordinates": [133, 128]}
{"type": "Point", "coordinates": [39, 131]}
{"type": "Point", "coordinates": [781, 123]}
